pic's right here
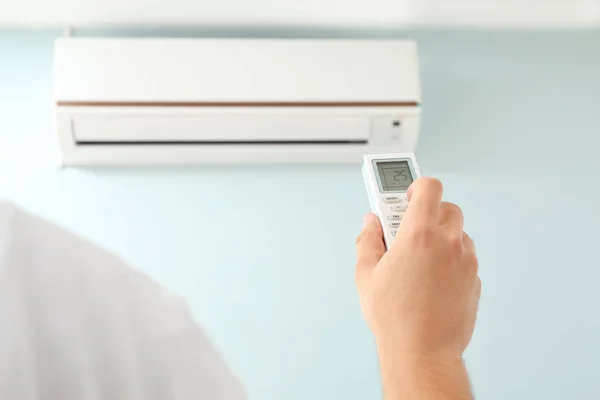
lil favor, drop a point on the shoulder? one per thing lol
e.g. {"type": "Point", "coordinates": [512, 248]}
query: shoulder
{"type": "Point", "coordinates": [76, 292]}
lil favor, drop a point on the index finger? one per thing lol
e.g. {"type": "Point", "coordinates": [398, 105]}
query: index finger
{"type": "Point", "coordinates": [425, 200]}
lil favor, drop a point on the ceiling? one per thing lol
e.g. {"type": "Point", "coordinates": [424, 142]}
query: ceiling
{"type": "Point", "coordinates": [299, 13]}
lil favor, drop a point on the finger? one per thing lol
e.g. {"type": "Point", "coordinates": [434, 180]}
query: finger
{"type": "Point", "coordinates": [451, 217]}
{"type": "Point", "coordinates": [476, 299]}
{"type": "Point", "coordinates": [468, 243]}
{"type": "Point", "coordinates": [370, 246]}
{"type": "Point", "coordinates": [478, 288]}
{"type": "Point", "coordinates": [425, 198]}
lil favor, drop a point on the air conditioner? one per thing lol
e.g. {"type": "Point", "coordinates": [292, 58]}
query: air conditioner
{"type": "Point", "coordinates": [148, 101]}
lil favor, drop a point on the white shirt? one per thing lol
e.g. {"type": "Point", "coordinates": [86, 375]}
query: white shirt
{"type": "Point", "coordinates": [76, 323]}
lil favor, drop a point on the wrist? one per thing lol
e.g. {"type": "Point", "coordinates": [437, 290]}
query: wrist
{"type": "Point", "coordinates": [408, 376]}
{"type": "Point", "coordinates": [415, 356]}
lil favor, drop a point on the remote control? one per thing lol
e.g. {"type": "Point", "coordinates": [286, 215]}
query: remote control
{"type": "Point", "coordinates": [387, 178]}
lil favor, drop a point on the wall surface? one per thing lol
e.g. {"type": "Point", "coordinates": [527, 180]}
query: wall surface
{"type": "Point", "coordinates": [265, 256]}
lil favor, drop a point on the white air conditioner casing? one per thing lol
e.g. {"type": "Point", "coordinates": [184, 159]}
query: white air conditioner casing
{"type": "Point", "coordinates": [149, 101]}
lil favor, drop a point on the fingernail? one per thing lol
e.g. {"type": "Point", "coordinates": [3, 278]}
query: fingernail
{"type": "Point", "coordinates": [370, 217]}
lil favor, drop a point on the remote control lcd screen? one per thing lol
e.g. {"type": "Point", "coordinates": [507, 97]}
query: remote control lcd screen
{"type": "Point", "coordinates": [394, 175]}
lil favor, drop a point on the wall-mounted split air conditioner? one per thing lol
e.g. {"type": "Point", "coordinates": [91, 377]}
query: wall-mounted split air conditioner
{"type": "Point", "coordinates": [137, 101]}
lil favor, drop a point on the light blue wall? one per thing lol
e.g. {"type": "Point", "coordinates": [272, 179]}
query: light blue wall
{"type": "Point", "coordinates": [265, 256]}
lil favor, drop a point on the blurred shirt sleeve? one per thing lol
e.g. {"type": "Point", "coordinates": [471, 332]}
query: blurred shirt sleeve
{"type": "Point", "coordinates": [76, 323]}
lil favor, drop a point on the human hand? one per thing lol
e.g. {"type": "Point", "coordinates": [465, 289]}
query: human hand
{"type": "Point", "coordinates": [420, 297]}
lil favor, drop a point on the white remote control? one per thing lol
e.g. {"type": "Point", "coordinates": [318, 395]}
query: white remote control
{"type": "Point", "coordinates": [387, 178]}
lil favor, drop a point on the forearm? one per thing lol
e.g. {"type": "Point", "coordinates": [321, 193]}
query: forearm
{"type": "Point", "coordinates": [406, 378]}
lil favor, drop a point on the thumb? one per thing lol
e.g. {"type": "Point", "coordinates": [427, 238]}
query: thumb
{"type": "Point", "coordinates": [369, 244]}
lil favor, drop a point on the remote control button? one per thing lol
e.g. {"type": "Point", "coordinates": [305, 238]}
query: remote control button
{"type": "Point", "coordinates": [394, 225]}
{"type": "Point", "coordinates": [395, 217]}
{"type": "Point", "coordinates": [394, 232]}
{"type": "Point", "coordinates": [399, 208]}
{"type": "Point", "coordinates": [392, 199]}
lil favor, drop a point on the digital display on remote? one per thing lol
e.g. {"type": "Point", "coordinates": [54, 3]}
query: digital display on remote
{"type": "Point", "coordinates": [394, 175]}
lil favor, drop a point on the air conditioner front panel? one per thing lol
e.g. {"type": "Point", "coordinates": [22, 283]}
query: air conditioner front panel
{"type": "Point", "coordinates": [162, 70]}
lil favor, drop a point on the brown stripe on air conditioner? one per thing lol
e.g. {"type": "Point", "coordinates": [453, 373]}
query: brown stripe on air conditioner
{"type": "Point", "coordinates": [237, 104]}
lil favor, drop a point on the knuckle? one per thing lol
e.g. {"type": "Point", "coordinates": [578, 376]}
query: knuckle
{"type": "Point", "coordinates": [468, 242]}
{"type": "Point", "coordinates": [431, 183]}
{"type": "Point", "coordinates": [477, 290]}
{"type": "Point", "coordinates": [472, 263]}
{"type": "Point", "coordinates": [456, 244]}
{"type": "Point", "coordinates": [452, 208]}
